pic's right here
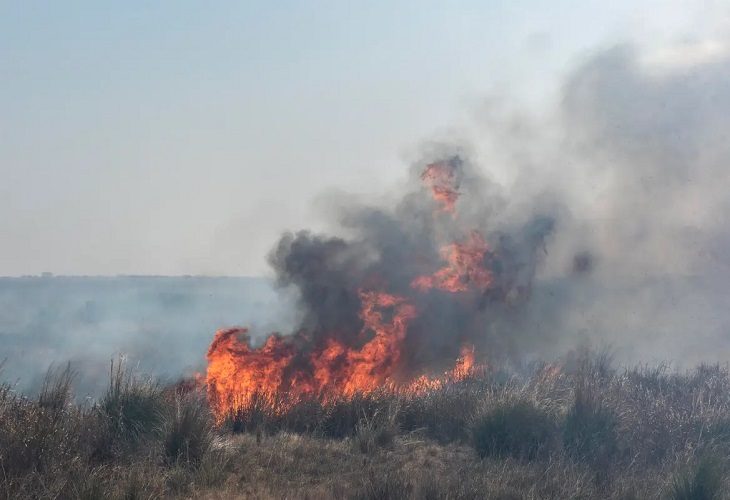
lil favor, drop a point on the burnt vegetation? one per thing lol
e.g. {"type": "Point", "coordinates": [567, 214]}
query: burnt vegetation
{"type": "Point", "coordinates": [564, 430]}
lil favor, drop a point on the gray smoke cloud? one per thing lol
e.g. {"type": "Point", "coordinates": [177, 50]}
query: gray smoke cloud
{"type": "Point", "coordinates": [612, 233]}
{"type": "Point", "coordinates": [613, 230]}
{"type": "Point", "coordinates": [638, 154]}
{"type": "Point", "coordinates": [387, 247]}
{"type": "Point", "coordinates": [161, 325]}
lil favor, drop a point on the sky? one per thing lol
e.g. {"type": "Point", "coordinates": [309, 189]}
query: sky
{"type": "Point", "coordinates": [182, 138]}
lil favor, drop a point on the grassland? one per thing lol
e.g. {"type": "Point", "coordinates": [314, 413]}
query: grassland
{"type": "Point", "coordinates": [576, 429]}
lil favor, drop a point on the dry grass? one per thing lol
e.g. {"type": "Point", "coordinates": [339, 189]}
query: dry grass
{"type": "Point", "coordinates": [582, 430]}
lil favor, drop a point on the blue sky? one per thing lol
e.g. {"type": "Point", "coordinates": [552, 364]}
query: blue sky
{"type": "Point", "coordinates": [177, 137]}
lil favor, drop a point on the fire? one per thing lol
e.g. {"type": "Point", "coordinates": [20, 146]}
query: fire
{"type": "Point", "coordinates": [465, 368]}
{"type": "Point", "coordinates": [441, 178]}
{"type": "Point", "coordinates": [370, 353]}
{"type": "Point", "coordinates": [347, 371]}
{"type": "Point", "coordinates": [237, 372]}
{"type": "Point", "coordinates": [464, 269]}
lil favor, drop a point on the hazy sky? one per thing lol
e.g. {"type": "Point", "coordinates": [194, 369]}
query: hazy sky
{"type": "Point", "coordinates": [177, 137]}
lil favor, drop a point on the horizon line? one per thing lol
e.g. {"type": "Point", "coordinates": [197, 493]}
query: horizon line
{"type": "Point", "coordinates": [48, 275]}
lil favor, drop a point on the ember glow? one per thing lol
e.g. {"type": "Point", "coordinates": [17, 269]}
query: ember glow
{"type": "Point", "coordinates": [410, 320]}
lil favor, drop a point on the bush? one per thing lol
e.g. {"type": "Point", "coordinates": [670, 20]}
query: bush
{"type": "Point", "coordinates": [56, 390]}
{"type": "Point", "coordinates": [383, 485]}
{"type": "Point", "coordinates": [703, 482]}
{"type": "Point", "coordinates": [589, 430]}
{"type": "Point", "coordinates": [41, 441]}
{"type": "Point", "coordinates": [444, 414]}
{"type": "Point", "coordinates": [377, 431]}
{"type": "Point", "coordinates": [253, 416]}
{"type": "Point", "coordinates": [464, 485]}
{"type": "Point", "coordinates": [187, 433]}
{"type": "Point", "coordinates": [131, 407]}
{"type": "Point", "coordinates": [513, 429]}
{"type": "Point", "coordinates": [342, 415]}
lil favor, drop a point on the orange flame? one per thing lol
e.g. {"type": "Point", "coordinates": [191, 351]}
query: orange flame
{"type": "Point", "coordinates": [296, 367]}
{"type": "Point", "coordinates": [464, 269]}
{"type": "Point", "coordinates": [465, 368]}
{"type": "Point", "coordinates": [237, 372]}
{"type": "Point", "coordinates": [441, 178]}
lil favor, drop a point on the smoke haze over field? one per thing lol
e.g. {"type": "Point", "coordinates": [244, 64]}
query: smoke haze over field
{"type": "Point", "coordinates": [608, 214]}
{"type": "Point", "coordinates": [161, 325]}
{"type": "Point", "coordinates": [613, 230]}
{"type": "Point", "coordinates": [644, 155]}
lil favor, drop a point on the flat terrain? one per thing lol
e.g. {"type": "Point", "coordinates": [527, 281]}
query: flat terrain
{"type": "Point", "coordinates": [574, 429]}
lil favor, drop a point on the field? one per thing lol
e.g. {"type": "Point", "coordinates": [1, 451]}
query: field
{"type": "Point", "coordinates": [574, 429]}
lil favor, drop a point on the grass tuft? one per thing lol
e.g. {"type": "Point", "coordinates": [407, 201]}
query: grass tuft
{"type": "Point", "coordinates": [703, 482]}
{"type": "Point", "coordinates": [132, 407]}
{"type": "Point", "coordinates": [375, 432]}
{"type": "Point", "coordinates": [513, 429]}
{"type": "Point", "coordinates": [187, 431]}
{"type": "Point", "coordinates": [590, 428]}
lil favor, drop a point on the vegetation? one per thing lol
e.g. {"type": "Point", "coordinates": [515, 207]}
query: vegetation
{"type": "Point", "coordinates": [519, 430]}
{"type": "Point", "coordinates": [577, 429]}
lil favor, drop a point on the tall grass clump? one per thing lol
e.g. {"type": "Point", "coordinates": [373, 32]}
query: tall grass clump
{"type": "Point", "coordinates": [443, 414]}
{"type": "Point", "coordinates": [376, 431]}
{"type": "Point", "coordinates": [704, 481]}
{"type": "Point", "coordinates": [342, 415]}
{"type": "Point", "coordinates": [517, 429]}
{"type": "Point", "coordinates": [257, 414]}
{"type": "Point", "coordinates": [187, 431]}
{"type": "Point", "coordinates": [56, 391]}
{"type": "Point", "coordinates": [42, 440]}
{"type": "Point", "coordinates": [383, 485]}
{"type": "Point", "coordinates": [590, 427]}
{"type": "Point", "coordinates": [132, 407]}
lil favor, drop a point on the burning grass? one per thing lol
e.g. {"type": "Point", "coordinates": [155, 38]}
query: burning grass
{"type": "Point", "coordinates": [556, 432]}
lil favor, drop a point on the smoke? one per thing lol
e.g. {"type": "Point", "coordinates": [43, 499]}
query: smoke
{"type": "Point", "coordinates": [161, 325]}
{"type": "Point", "coordinates": [606, 221]}
{"type": "Point", "coordinates": [638, 154]}
{"type": "Point", "coordinates": [613, 231]}
{"type": "Point", "coordinates": [430, 247]}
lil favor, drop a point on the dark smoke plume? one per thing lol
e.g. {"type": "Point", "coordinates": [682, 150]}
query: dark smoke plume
{"type": "Point", "coordinates": [387, 248]}
{"type": "Point", "coordinates": [614, 231]}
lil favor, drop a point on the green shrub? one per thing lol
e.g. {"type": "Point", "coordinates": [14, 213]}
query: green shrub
{"type": "Point", "coordinates": [513, 429]}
